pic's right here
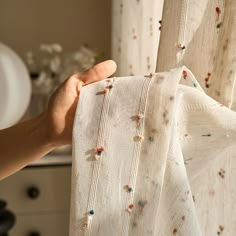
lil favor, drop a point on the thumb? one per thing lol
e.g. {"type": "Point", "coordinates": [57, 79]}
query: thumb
{"type": "Point", "coordinates": [98, 72]}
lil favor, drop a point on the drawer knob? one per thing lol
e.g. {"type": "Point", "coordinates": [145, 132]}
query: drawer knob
{"type": "Point", "coordinates": [33, 192]}
{"type": "Point", "coordinates": [7, 219]}
{"type": "Point", "coordinates": [34, 233]}
{"type": "Point", "coordinates": [3, 205]}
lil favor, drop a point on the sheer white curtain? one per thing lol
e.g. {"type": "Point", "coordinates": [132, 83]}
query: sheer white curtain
{"type": "Point", "coordinates": [206, 28]}
{"type": "Point", "coordinates": [200, 34]}
{"type": "Point", "coordinates": [135, 35]}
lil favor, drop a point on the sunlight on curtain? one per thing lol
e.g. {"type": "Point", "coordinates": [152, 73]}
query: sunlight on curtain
{"type": "Point", "coordinates": [135, 35]}
{"type": "Point", "coordinates": [201, 34]}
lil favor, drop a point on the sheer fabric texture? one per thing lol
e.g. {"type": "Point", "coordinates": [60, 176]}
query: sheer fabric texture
{"type": "Point", "coordinates": [160, 155]}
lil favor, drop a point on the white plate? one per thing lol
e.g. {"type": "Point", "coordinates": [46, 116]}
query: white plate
{"type": "Point", "coordinates": [15, 87]}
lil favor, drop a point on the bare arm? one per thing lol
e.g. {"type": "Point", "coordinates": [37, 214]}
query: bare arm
{"type": "Point", "coordinates": [31, 140]}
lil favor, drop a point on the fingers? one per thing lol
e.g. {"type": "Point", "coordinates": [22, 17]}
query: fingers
{"type": "Point", "coordinates": [98, 72]}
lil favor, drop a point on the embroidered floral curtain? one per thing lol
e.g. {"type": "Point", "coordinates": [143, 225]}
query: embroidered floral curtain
{"type": "Point", "coordinates": [206, 29]}
{"type": "Point", "coordinates": [135, 35]}
{"type": "Point", "coordinates": [200, 34]}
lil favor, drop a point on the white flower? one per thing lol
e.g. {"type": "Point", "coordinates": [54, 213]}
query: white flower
{"type": "Point", "coordinates": [46, 48]}
{"type": "Point", "coordinates": [57, 47]}
{"type": "Point", "coordinates": [55, 68]}
{"type": "Point", "coordinates": [55, 64]}
{"type": "Point", "coordinates": [78, 56]}
{"type": "Point", "coordinates": [86, 57]}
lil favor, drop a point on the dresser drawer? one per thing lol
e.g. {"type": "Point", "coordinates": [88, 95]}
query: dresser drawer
{"type": "Point", "coordinates": [37, 189]}
{"type": "Point", "coordinates": [41, 225]}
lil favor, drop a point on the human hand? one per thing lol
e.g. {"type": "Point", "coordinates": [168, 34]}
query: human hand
{"type": "Point", "coordinates": [59, 116]}
{"type": "Point", "coordinates": [36, 137]}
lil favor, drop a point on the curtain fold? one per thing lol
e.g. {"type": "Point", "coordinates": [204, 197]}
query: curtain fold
{"type": "Point", "coordinates": [207, 31]}
{"type": "Point", "coordinates": [200, 34]}
{"type": "Point", "coordinates": [140, 158]}
{"type": "Point", "coordinates": [135, 35]}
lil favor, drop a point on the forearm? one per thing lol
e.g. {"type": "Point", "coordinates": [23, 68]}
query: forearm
{"type": "Point", "coordinates": [23, 144]}
{"type": "Point", "coordinates": [31, 140]}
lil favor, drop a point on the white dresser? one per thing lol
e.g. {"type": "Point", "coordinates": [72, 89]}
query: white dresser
{"type": "Point", "coordinates": [39, 197]}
